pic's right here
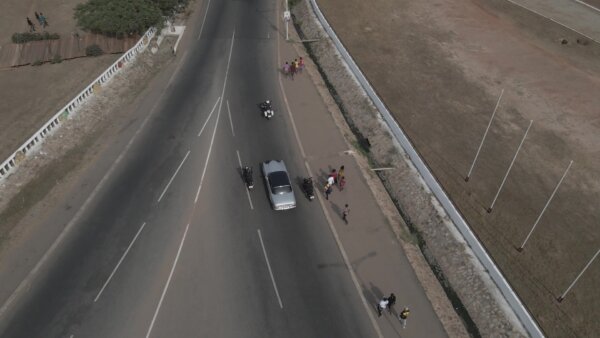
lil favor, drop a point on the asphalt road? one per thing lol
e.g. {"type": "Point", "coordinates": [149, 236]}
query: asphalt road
{"type": "Point", "coordinates": [172, 245]}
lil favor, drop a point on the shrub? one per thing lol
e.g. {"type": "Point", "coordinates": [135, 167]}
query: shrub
{"type": "Point", "coordinates": [93, 50]}
{"type": "Point", "coordinates": [37, 63]}
{"type": "Point", "coordinates": [26, 37]}
{"type": "Point", "coordinates": [56, 59]}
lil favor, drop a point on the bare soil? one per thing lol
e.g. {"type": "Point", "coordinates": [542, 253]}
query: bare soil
{"type": "Point", "coordinates": [31, 95]}
{"type": "Point", "coordinates": [440, 68]}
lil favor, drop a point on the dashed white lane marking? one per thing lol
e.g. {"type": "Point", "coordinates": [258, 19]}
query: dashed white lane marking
{"type": "Point", "coordinates": [208, 118]}
{"type": "Point", "coordinates": [203, 20]}
{"type": "Point", "coordinates": [119, 263]}
{"type": "Point", "coordinates": [230, 120]}
{"type": "Point", "coordinates": [269, 267]}
{"type": "Point", "coordinates": [26, 282]}
{"type": "Point", "coordinates": [173, 177]}
{"type": "Point", "coordinates": [162, 296]}
{"type": "Point", "coordinates": [247, 191]}
{"type": "Point", "coordinates": [217, 123]}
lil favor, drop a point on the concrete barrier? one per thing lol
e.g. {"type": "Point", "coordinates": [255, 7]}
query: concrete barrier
{"type": "Point", "coordinates": [12, 162]}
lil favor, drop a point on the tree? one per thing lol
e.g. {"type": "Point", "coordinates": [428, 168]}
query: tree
{"type": "Point", "coordinates": [118, 17]}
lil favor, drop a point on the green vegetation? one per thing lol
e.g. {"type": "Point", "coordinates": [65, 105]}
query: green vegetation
{"type": "Point", "coordinates": [26, 37]}
{"type": "Point", "coordinates": [125, 17]}
{"type": "Point", "coordinates": [93, 50]}
{"type": "Point", "coordinates": [56, 59]}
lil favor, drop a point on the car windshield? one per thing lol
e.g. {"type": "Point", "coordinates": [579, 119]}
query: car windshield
{"type": "Point", "coordinates": [279, 182]}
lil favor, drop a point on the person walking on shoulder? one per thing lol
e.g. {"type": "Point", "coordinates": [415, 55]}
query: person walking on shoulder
{"type": "Point", "coordinates": [383, 303]}
{"type": "Point", "coordinates": [392, 301]}
{"type": "Point", "coordinates": [286, 69]}
{"type": "Point", "coordinates": [403, 316]}
{"type": "Point", "coordinates": [31, 25]}
{"type": "Point", "coordinates": [345, 213]}
{"type": "Point", "coordinates": [328, 191]}
{"type": "Point", "coordinates": [341, 178]}
{"type": "Point", "coordinates": [301, 64]}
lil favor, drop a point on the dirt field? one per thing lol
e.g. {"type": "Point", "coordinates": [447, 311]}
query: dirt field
{"type": "Point", "coordinates": [440, 68]}
{"type": "Point", "coordinates": [31, 95]}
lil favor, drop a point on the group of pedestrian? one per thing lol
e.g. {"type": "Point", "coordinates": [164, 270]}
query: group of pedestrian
{"type": "Point", "coordinates": [294, 67]}
{"type": "Point", "coordinates": [335, 177]}
{"type": "Point", "coordinates": [388, 303]}
{"type": "Point", "coordinates": [41, 19]}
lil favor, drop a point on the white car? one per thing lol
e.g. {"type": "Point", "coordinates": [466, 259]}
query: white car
{"type": "Point", "coordinates": [281, 193]}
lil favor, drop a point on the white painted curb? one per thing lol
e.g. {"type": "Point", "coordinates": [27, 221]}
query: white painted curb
{"type": "Point", "coordinates": [504, 287]}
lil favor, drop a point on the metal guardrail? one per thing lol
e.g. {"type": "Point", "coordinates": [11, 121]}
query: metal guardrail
{"type": "Point", "coordinates": [11, 163]}
{"type": "Point", "coordinates": [504, 287]}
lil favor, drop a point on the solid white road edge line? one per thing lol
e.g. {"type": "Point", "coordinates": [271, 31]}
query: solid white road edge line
{"type": "Point", "coordinates": [269, 267]}
{"type": "Point", "coordinates": [162, 296]}
{"type": "Point", "coordinates": [209, 115]}
{"type": "Point", "coordinates": [173, 177]}
{"type": "Point", "coordinates": [217, 123]}
{"type": "Point", "coordinates": [247, 191]}
{"type": "Point", "coordinates": [25, 283]}
{"type": "Point", "coordinates": [330, 223]}
{"type": "Point", "coordinates": [230, 120]}
{"type": "Point", "coordinates": [203, 20]}
{"type": "Point", "coordinates": [177, 69]}
{"type": "Point", "coordinates": [368, 307]}
{"type": "Point", "coordinates": [119, 263]}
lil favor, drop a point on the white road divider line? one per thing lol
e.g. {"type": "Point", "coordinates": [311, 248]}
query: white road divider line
{"type": "Point", "coordinates": [208, 118]}
{"type": "Point", "coordinates": [230, 120]}
{"type": "Point", "coordinates": [247, 191]}
{"type": "Point", "coordinates": [162, 296]}
{"type": "Point", "coordinates": [217, 123]}
{"type": "Point", "coordinates": [119, 263]}
{"type": "Point", "coordinates": [269, 267]}
{"type": "Point", "coordinates": [173, 177]}
{"type": "Point", "coordinates": [203, 20]}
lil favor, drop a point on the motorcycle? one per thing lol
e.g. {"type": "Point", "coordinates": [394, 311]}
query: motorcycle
{"type": "Point", "coordinates": [267, 109]}
{"type": "Point", "coordinates": [247, 175]}
{"type": "Point", "coordinates": [308, 188]}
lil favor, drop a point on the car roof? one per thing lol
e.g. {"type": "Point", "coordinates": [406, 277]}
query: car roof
{"type": "Point", "coordinates": [279, 179]}
{"type": "Point", "coordinates": [274, 165]}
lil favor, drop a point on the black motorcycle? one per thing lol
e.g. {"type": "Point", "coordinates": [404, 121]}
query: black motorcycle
{"type": "Point", "coordinates": [247, 175]}
{"type": "Point", "coordinates": [266, 109]}
{"type": "Point", "coordinates": [308, 188]}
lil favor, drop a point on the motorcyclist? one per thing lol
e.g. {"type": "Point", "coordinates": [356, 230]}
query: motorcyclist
{"type": "Point", "coordinates": [266, 105]}
{"type": "Point", "coordinates": [247, 171]}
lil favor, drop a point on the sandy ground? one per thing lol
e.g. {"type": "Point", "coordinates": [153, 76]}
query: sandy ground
{"type": "Point", "coordinates": [32, 95]}
{"type": "Point", "coordinates": [440, 68]}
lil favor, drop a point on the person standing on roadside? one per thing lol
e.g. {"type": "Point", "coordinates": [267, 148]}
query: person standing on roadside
{"type": "Point", "coordinates": [341, 172]}
{"type": "Point", "coordinates": [328, 191]}
{"type": "Point", "coordinates": [345, 213]}
{"type": "Point", "coordinates": [43, 21]}
{"type": "Point", "coordinates": [31, 25]}
{"type": "Point", "coordinates": [383, 303]}
{"type": "Point", "coordinates": [293, 69]}
{"type": "Point", "coordinates": [392, 300]}
{"type": "Point", "coordinates": [334, 174]}
{"type": "Point", "coordinates": [403, 316]}
{"type": "Point", "coordinates": [330, 180]}
{"type": "Point", "coordinates": [286, 69]}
